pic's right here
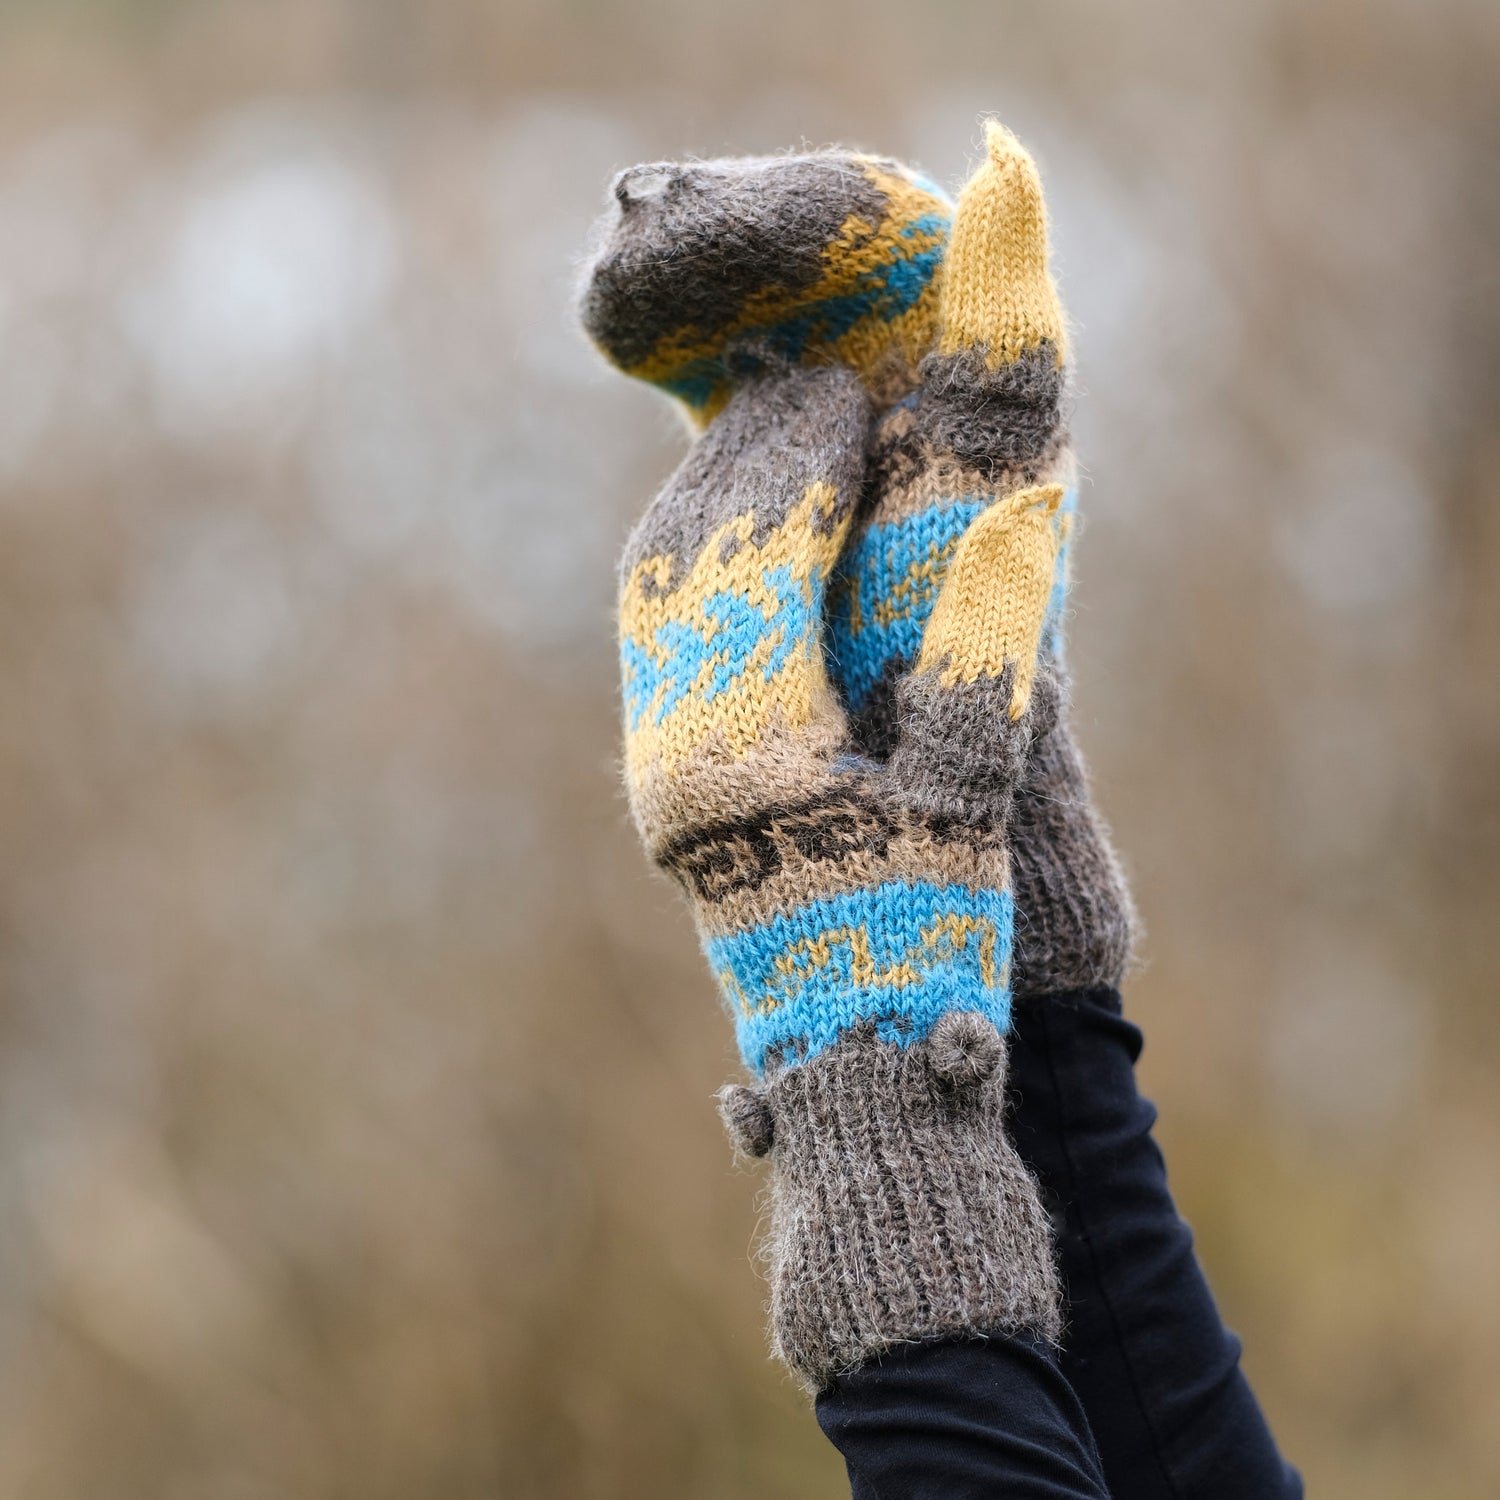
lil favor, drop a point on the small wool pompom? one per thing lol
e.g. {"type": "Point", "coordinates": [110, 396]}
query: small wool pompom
{"type": "Point", "coordinates": [747, 1118]}
{"type": "Point", "coordinates": [965, 1049]}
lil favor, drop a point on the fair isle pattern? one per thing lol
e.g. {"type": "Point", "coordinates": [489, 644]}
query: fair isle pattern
{"type": "Point", "coordinates": [901, 955]}
{"type": "Point", "coordinates": [878, 291]}
{"type": "Point", "coordinates": [723, 650]}
{"type": "Point", "coordinates": [884, 590]}
{"type": "Point", "coordinates": [887, 582]}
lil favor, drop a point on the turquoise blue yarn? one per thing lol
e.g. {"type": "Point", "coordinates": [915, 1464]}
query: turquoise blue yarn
{"type": "Point", "coordinates": [738, 629]}
{"type": "Point", "coordinates": [872, 571]}
{"type": "Point", "coordinates": [876, 567]}
{"type": "Point", "coordinates": [815, 1008]}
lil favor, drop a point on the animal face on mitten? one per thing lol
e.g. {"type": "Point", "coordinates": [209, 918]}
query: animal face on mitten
{"type": "Point", "coordinates": [709, 270]}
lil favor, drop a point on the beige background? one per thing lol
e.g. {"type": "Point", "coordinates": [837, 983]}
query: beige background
{"type": "Point", "coordinates": [355, 1075]}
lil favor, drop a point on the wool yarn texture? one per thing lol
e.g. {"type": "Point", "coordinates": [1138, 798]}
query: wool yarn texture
{"type": "Point", "coordinates": [847, 366]}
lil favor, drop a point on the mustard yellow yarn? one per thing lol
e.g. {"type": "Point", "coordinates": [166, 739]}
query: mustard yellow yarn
{"type": "Point", "coordinates": [998, 292]}
{"type": "Point", "coordinates": [727, 698]}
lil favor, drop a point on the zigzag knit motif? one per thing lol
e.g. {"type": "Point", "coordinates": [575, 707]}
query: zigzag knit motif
{"type": "Point", "coordinates": [718, 653]}
{"type": "Point", "coordinates": [901, 955]}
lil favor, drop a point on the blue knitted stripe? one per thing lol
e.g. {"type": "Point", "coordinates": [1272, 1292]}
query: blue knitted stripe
{"type": "Point", "coordinates": [884, 590]}
{"type": "Point", "coordinates": [885, 292]}
{"type": "Point", "coordinates": [902, 954]}
{"type": "Point", "coordinates": [888, 581]}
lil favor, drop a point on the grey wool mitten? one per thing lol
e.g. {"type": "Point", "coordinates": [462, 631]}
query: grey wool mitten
{"type": "Point", "coordinates": [856, 913]}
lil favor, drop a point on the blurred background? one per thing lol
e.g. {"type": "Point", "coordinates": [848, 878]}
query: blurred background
{"type": "Point", "coordinates": [356, 1133]}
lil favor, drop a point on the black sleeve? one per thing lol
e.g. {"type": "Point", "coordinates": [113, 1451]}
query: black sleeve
{"type": "Point", "coordinates": [962, 1420]}
{"type": "Point", "coordinates": [1146, 1350]}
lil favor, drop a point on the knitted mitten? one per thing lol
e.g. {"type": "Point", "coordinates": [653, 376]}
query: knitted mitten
{"type": "Point", "coordinates": [856, 914]}
{"type": "Point", "coordinates": [989, 419]}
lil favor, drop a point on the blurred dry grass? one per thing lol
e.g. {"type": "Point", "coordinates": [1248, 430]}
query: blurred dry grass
{"type": "Point", "coordinates": [355, 1134]}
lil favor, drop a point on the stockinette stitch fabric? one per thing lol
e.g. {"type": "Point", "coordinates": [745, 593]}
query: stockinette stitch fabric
{"type": "Point", "coordinates": [855, 913]}
{"type": "Point", "coordinates": [839, 257]}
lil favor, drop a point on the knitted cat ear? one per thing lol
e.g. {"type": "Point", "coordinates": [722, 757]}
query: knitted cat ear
{"type": "Point", "coordinates": [998, 294]}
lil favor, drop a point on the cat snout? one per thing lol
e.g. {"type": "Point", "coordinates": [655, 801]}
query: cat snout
{"type": "Point", "coordinates": [641, 184]}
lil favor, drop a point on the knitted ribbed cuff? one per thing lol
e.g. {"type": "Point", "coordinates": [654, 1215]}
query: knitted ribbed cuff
{"type": "Point", "coordinates": [900, 1212]}
{"type": "Point", "coordinates": [1075, 923]}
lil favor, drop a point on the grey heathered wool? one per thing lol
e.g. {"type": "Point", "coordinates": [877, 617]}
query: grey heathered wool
{"type": "Point", "coordinates": [1075, 922]}
{"type": "Point", "coordinates": [695, 240]}
{"type": "Point", "coordinates": [900, 1211]}
{"type": "Point", "coordinates": [992, 421]}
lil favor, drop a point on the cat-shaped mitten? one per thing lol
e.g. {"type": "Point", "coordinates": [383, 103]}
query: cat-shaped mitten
{"type": "Point", "coordinates": [855, 914]}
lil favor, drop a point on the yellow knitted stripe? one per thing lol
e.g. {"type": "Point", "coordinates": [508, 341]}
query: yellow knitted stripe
{"type": "Point", "coordinates": [858, 252]}
{"type": "Point", "coordinates": [992, 606]}
{"type": "Point", "coordinates": [734, 714]}
{"type": "Point", "coordinates": [997, 290]}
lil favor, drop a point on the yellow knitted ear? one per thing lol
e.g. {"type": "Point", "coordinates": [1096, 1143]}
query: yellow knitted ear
{"type": "Point", "coordinates": [994, 599]}
{"type": "Point", "coordinates": [997, 291]}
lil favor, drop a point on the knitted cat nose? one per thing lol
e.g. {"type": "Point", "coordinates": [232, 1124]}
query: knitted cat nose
{"type": "Point", "coordinates": [637, 184]}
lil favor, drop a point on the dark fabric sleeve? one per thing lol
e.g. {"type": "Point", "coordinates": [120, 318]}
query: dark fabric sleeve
{"type": "Point", "coordinates": [1145, 1349]}
{"type": "Point", "coordinates": [962, 1420]}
